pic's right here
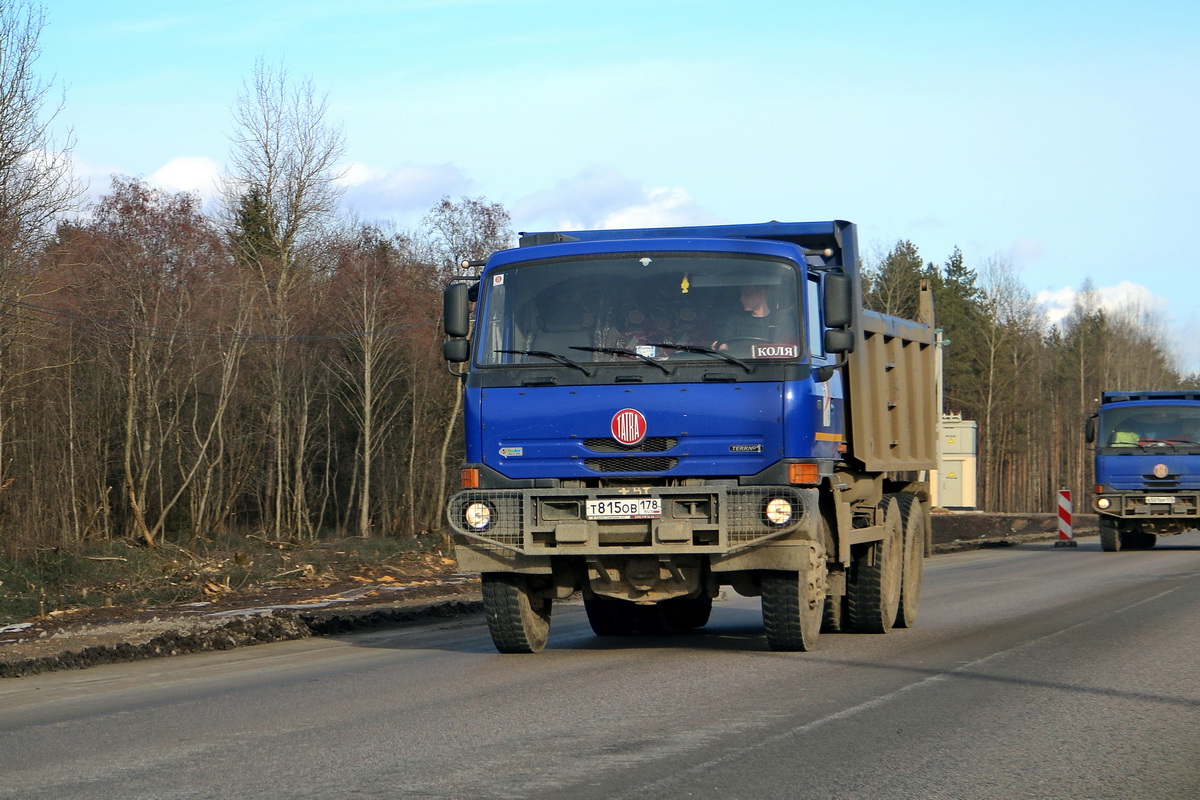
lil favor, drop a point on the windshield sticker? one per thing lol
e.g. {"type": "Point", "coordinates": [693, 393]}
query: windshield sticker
{"type": "Point", "coordinates": [774, 351]}
{"type": "Point", "coordinates": [498, 279]}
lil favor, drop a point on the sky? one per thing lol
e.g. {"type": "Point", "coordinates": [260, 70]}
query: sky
{"type": "Point", "coordinates": [1059, 138]}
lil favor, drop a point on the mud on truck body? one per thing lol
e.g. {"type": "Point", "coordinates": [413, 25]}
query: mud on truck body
{"type": "Point", "coordinates": [653, 414]}
{"type": "Point", "coordinates": [1147, 457]}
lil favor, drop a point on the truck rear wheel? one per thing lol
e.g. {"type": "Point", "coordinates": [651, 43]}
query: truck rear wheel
{"type": "Point", "coordinates": [912, 513]}
{"type": "Point", "coordinates": [1110, 534]}
{"type": "Point", "coordinates": [689, 613]}
{"type": "Point", "coordinates": [834, 618]}
{"type": "Point", "coordinates": [873, 588]}
{"type": "Point", "coordinates": [1138, 540]}
{"type": "Point", "coordinates": [793, 604]}
{"type": "Point", "coordinates": [518, 620]}
{"type": "Point", "coordinates": [609, 616]}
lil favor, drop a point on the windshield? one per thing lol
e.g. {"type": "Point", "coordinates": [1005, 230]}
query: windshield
{"type": "Point", "coordinates": [1150, 426]}
{"type": "Point", "coordinates": [641, 307]}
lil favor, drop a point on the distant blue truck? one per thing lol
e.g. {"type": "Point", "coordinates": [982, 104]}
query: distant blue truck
{"type": "Point", "coordinates": [1147, 451]}
{"type": "Point", "coordinates": [652, 414]}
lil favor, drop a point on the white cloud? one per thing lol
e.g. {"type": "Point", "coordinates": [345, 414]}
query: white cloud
{"type": "Point", "coordinates": [663, 207]}
{"type": "Point", "coordinates": [197, 174]}
{"type": "Point", "coordinates": [403, 192]}
{"type": "Point", "coordinates": [602, 197]}
{"type": "Point", "coordinates": [1125, 297]}
{"type": "Point", "coordinates": [1183, 336]}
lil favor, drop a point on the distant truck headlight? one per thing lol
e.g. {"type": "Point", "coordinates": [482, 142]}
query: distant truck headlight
{"type": "Point", "coordinates": [1103, 502]}
{"type": "Point", "coordinates": [779, 512]}
{"type": "Point", "coordinates": [478, 516]}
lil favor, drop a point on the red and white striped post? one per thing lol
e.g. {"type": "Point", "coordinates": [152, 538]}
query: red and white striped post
{"type": "Point", "coordinates": [1065, 537]}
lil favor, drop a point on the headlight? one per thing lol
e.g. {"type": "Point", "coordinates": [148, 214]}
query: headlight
{"type": "Point", "coordinates": [779, 512]}
{"type": "Point", "coordinates": [1103, 502]}
{"type": "Point", "coordinates": [478, 516]}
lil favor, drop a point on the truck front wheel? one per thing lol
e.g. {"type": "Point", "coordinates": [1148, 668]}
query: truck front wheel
{"type": "Point", "coordinates": [518, 620]}
{"type": "Point", "coordinates": [1110, 534]}
{"type": "Point", "coordinates": [792, 605]}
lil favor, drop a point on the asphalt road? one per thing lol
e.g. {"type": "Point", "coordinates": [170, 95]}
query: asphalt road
{"type": "Point", "coordinates": [1034, 672]}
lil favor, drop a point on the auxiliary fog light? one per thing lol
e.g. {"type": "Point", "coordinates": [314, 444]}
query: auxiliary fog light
{"type": "Point", "coordinates": [1103, 502]}
{"type": "Point", "coordinates": [478, 516]}
{"type": "Point", "coordinates": [779, 512]}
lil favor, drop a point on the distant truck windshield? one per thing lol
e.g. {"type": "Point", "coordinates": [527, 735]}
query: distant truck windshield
{"type": "Point", "coordinates": [1165, 426]}
{"type": "Point", "coordinates": [609, 308]}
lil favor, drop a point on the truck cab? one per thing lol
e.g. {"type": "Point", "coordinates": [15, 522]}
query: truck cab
{"type": "Point", "coordinates": [1147, 458]}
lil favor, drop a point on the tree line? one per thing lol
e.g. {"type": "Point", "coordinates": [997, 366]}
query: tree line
{"type": "Point", "coordinates": [1030, 385]}
{"type": "Point", "coordinates": [272, 366]}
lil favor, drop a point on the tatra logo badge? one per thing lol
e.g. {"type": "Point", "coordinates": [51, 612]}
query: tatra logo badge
{"type": "Point", "coordinates": [628, 426]}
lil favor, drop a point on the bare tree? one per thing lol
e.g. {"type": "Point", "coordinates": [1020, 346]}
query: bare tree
{"type": "Point", "coordinates": [470, 229]}
{"type": "Point", "coordinates": [281, 195]}
{"type": "Point", "coordinates": [35, 176]}
{"type": "Point", "coordinates": [35, 189]}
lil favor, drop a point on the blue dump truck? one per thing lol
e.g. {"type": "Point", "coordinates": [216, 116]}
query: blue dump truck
{"type": "Point", "coordinates": [654, 414]}
{"type": "Point", "coordinates": [1147, 466]}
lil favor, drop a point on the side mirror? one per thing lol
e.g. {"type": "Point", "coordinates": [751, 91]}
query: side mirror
{"type": "Point", "coordinates": [456, 312]}
{"type": "Point", "coordinates": [839, 341]}
{"type": "Point", "coordinates": [838, 301]}
{"type": "Point", "coordinates": [456, 351]}
{"type": "Point", "coordinates": [1089, 430]}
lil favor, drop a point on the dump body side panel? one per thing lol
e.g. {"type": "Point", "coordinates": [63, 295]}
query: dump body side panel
{"type": "Point", "coordinates": [892, 395]}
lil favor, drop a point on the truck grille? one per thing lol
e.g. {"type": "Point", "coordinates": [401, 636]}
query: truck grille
{"type": "Point", "coordinates": [631, 464]}
{"type": "Point", "coordinates": [653, 444]}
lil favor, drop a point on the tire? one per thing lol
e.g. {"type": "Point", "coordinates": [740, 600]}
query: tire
{"type": "Point", "coordinates": [833, 618]}
{"type": "Point", "coordinates": [652, 620]}
{"type": "Point", "coordinates": [873, 588]}
{"type": "Point", "coordinates": [609, 616]}
{"type": "Point", "coordinates": [793, 604]}
{"type": "Point", "coordinates": [1110, 535]}
{"type": "Point", "coordinates": [914, 523]}
{"type": "Point", "coordinates": [1138, 540]}
{"type": "Point", "coordinates": [518, 621]}
{"type": "Point", "coordinates": [689, 613]}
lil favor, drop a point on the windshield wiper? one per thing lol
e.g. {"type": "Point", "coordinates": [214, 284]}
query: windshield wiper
{"type": "Point", "coordinates": [708, 351]}
{"type": "Point", "coordinates": [552, 356]}
{"type": "Point", "coordinates": [623, 351]}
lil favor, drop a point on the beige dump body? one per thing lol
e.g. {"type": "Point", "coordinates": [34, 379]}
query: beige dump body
{"type": "Point", "coordinates": [892, 394]}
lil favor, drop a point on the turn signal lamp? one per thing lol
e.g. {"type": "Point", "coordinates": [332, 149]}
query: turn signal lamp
{"type": "Point", "coordinates": [470, 478]}
{"type": "Point", "coordinates": [803, 474]}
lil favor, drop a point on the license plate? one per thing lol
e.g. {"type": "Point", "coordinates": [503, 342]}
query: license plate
{"type": "Point", "coordinates": [1160, 500]}
{"type": "Point", "coordinates": [625, 508]}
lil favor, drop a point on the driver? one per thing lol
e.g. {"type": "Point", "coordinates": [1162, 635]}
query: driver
{"type": "Point", "coordinates": [755, 321]}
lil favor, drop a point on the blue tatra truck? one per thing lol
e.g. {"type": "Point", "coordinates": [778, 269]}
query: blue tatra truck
{"type": "Point", "coordinates": [1147, 450]}
{"type": "Point", "coordinates": [653, 414]}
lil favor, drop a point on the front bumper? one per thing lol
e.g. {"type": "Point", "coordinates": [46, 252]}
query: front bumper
{"type": "Point", "coordinates": [1148, 505]}
{"type": "Point", "coordinates": [714, 520]}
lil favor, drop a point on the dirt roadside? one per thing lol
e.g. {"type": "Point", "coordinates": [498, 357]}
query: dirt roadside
{"type": "Point", "coordinates": [84, 638]}
{"type": "Point", "coordinates": [89, 637]}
